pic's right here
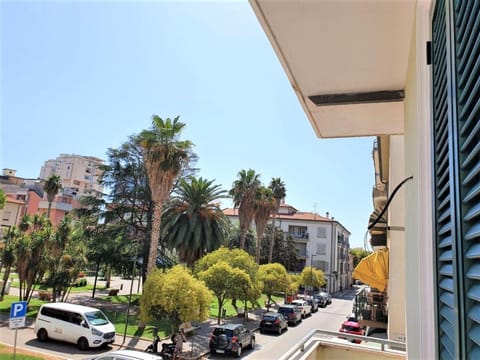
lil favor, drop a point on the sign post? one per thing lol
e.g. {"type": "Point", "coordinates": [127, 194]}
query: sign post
{"type": "Point", "coordinates": [18, 311]}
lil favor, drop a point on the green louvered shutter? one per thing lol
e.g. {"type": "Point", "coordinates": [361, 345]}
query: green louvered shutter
{"type": "Point", "coordinates": [456, 136]}
{"type": "Point", "coordinates": [467, 73]}
{"type": "Point", "coordinates": [445, 233]}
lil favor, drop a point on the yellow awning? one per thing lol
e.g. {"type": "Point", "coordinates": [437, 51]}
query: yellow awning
{"type": "Point", "coordinates": [373, 270]}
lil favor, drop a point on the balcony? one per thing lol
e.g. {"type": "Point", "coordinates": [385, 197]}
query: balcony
{"type": "Point", "coordinates": [370, 308]}
{"type": "Point", "coordinates": [323, 345]}
{"type": "Point", "coordinates": [299, 237]}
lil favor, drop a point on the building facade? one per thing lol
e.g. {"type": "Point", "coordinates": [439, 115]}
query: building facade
{"type": "Point", "coordinates": [79, 174]}
{"type": "Point", "coordinates": [320, 241]}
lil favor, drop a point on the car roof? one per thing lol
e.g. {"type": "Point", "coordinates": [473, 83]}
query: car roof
{"type": "Point", "coordinates": [288, 306]}
{"type": "Point", "coordinates": [299, 301]}
{"type": "Point", "coordinates": [228, 326]}
{"type": "Point", "coordinates": [351, 323]}
{"type": "Point", "coordinates": [131, 354]}
{"type": "Point", "coordinates": [70, 307]}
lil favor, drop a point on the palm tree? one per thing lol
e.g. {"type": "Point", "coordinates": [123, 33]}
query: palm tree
{"type": "Point", "coordinates": [52, 186]}
{"type": "Point", "coordinates": [164, 157]}
{"type": "Point", "coordinates": [264, 207]}
{"type": "Point", "coordinates": [279, 192]}
{"type": "Point", "coordinates": [8, 258]}
{"type": "Point", "coordinates": [193, 222]}
{"type": "Point", "coordinates": [243, 192]}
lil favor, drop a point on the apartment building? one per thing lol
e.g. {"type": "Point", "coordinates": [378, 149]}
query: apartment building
{"type": "Point", "coordinates": [321, 241]}
{"type": "Point", "coordinates": [79, 174]}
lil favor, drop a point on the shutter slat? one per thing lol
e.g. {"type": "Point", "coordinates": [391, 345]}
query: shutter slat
{"type": "Point", "coordinates": [474, 272]}
{"type": "Point", "coordinates": [473, 193]}
{"type": "Point", "coordinates": [472, 174]}
{"type": "Point", "coordinates": [472, 213]}
{"type": "Point", "coordinates": [447, 241]}
{"type": "Point", "coordinates": [473, 252]}
{"type": "Point", "coordinates": [474, 293]}
{"type": "Point", "coordinates": [474, 153]}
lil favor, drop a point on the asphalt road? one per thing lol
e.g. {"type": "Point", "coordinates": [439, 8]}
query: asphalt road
{"type": "Point", "coordinates": [272, 346]}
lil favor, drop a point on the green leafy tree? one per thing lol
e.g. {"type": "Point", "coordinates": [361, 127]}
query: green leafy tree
{"type": "Point", "coordinates": [52, 186]}
{"type": "Point", "coordinates": [312, 277]}
{"type": "Point", "coordinates": [193, 222]}
{"type": "Point", "coordinates": [234, 240]}
{"type": "Point", "coordinates": [3, 198]}
{"type": "Point", "coordinates": [29, 251]}
{"type": "Point", "coordinates": [236, 258]}
{"type": "Point", "coordinates": [284, 253]}
{"type": "Point", "coordinates": [225, 282]}
{"type": "Point", "coordinates": [174, 295]}
{"type": "Point", "coordinates": [164, 158]}
{"type": "Point", "coordinates": [279, 192]}
{"type": "Point", "coordinates": [275, 279]}
{"type": "Point", "coordinates": [243, 192]}
{"type": "Point", "coordinates": [358, 255]}
{"type": "Point", "coordinates": [264, 207]}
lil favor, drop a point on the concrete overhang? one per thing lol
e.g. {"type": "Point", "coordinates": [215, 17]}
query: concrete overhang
{"type": "Point", "coordinates": [346, 60]}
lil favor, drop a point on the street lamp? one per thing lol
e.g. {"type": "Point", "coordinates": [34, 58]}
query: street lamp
{"type": "Point", "coordinates": [311, 270]}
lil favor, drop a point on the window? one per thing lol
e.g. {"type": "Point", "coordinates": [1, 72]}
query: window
{"type": "Point", "coordinates": [6, 215]}
{"type": "Point", "coordinates": [321, 232]}
{"type": "Point", "coordinates": [321, 249]}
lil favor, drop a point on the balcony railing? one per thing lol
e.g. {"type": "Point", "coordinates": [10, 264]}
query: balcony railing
{"type": "Point", "coordinates": [376, 348]}
{"type": "Point", "coordinates": [299, 236]}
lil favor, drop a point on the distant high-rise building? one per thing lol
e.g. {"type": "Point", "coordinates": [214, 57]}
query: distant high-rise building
{"type": "Point", "coordinates": [79, 174]}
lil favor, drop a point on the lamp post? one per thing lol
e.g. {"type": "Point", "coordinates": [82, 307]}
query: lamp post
{"type": "Point", "coordinates": [311, 270]}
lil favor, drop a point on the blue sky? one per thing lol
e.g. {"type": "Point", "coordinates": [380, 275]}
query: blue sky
{"type": "Point", "coordinates": [80, 77]}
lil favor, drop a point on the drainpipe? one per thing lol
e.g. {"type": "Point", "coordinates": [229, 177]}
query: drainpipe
{"type": "Point", "coordinates": [333, 249]}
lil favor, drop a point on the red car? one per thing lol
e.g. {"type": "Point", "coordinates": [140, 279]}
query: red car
{"type": "Point", "coordinates": [352, 327]}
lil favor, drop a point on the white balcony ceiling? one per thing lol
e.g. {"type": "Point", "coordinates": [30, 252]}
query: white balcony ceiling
{"type": "Point", "coordinates": [343, 47]}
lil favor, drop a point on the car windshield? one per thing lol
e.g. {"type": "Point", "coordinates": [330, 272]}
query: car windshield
{"type": "Point", "coordinates": [350, 328]}
{"type": "Point", "coordinates": [222, 331]}
{"type": "Point", "coordinates": [96, 318]}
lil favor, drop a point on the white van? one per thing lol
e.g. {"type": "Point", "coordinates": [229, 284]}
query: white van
{"type": "Point", "coordinates": [78, 324]}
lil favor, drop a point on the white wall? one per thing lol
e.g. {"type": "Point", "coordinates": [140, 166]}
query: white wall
{"type": "Point", "coordinates": [420, 304]}
{"type": "Point", "coordinates": [396, 241]}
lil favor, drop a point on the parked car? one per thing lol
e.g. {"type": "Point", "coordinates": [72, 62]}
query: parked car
{"type": "Point", "coordinates": [304, 307]}
{"type": "Point", "coordinates": [352, 327]}
{"type": "Point", "coordinates": [82, 325]}
{"type": "Point", "coordinates": [320, 300]}
{"type": "Point", "coordinates": [326, 296]}
{"type": "Point", "coordinates": [274, 322]}
{"type": "Point", "coordinates": [125, 355]}
{"type": "Point", "coordinates": [313, 303]}
{"type": "Point", "coordinates": [292, 313]}
{"type": "Point", "coordinates": [231, 338]}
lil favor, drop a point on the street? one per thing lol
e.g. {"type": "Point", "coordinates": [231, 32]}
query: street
{"type": "Point", "coordinates": [272, 346]}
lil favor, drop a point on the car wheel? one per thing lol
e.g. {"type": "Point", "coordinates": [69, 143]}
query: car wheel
{"type": "Point", "coordinates": [213, 351]}
{"type": "Point", "coordinates": [261, 331]}
{"type": "Point", "coordinates": [82, 344]}
{"type": "Point", "coordinates": [42, 335]}
{"type": "Point", "coordinates": [252, 343]}
{"type": "Point", "coordinates": [279, 330]}
{"type": "Point", "coordinates": [239, 351]}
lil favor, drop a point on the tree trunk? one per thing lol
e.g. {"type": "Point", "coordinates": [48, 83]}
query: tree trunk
{"type": "Point", "coordinates": [155, 237]}
{"type": "Point", "coordinates": [272, 241]}
{"type": "Point", "coordinates": [5, 279]}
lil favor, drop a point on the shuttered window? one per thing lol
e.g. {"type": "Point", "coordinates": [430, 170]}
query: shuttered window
{"type": "Point", "coordinates": [456, 134]}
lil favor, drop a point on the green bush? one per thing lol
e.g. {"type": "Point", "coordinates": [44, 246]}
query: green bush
{"type": "Point", "coordinates": [80, 282]}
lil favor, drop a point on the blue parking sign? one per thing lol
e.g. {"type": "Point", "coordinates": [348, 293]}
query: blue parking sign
{"type": "Point", "coordinates": [18, 311]}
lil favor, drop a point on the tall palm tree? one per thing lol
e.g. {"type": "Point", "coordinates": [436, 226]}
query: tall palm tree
{"type": "Point", "coordinates": [164, 157]}
{"type": "Point", "coordinates": [193, 222]}
{"type": "Point", "coordinates": [52, 186]}
{"type": "Point", "coordinates": [264, 207]}
{"type": "Point", "coordinates": [8, 257]}
{"type": "Point", "coordinates": [279, 192]}
{"type": "Point", "coordinates": [243, 192]}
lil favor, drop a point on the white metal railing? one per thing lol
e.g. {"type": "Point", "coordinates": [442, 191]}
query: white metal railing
{"type": "Point", "coordinates": [300, 347]}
